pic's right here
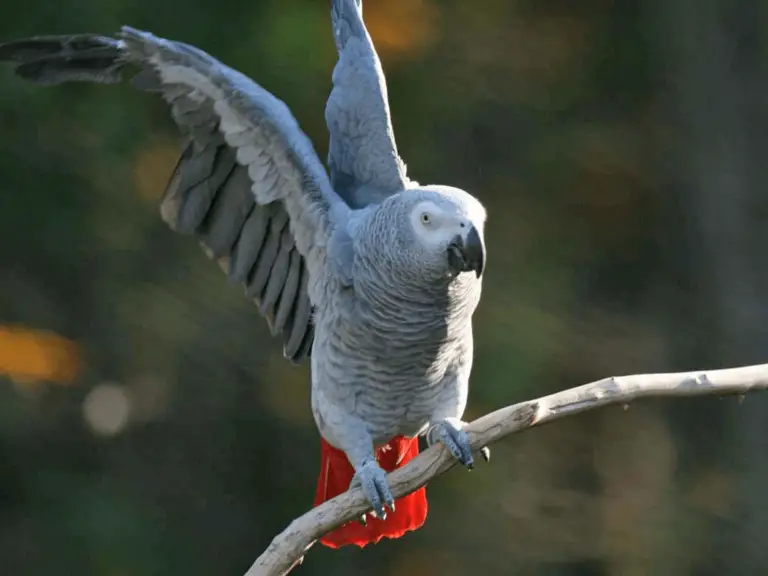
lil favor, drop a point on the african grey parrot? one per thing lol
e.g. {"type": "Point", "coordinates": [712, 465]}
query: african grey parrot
{"type": "Point", "coordinates": [370, 274]}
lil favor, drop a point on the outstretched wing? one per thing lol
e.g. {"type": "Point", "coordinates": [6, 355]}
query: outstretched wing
{"type": "Point", "coordinates": [363, 161]}
{"type": "Point", "coordinates": [248, 184]}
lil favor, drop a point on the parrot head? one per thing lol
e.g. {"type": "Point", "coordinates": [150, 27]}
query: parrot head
{"type": "Point", "coordinates": [446, 227]}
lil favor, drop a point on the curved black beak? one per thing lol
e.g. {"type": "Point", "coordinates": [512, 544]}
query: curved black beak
{"type": "Point", "coordinates": [467, 253]}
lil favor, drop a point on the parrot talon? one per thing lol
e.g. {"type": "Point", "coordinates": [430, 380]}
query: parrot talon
{"type": "Point", "coordinates": [363, 520]}
{"type": "Point", "coordinates": [486, 453]}
{"type": "Point", "coordinates": [372, 479]}
{"type": "Point", "coordinates": [450, 433]}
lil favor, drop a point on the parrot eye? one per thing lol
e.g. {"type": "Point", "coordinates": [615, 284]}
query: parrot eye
{"type": "Point", "coordinates": [425, 218]}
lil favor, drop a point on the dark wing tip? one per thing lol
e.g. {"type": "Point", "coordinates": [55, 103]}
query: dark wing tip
{"type": "Point", "coordinates": [58, 59]}
{"type": "Point", "coordinates": [26, 49]}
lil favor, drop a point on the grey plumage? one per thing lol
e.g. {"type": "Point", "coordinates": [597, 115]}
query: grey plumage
{"type": "Point", "coordinates": [362, 160]}
{"type": "Point", "coordinates": [209, 194]}
{"type": "Point", "coordinates": [375, 275]}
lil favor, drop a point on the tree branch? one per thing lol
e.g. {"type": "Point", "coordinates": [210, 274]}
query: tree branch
{"type": "Point", "coordinates": [289, 547]}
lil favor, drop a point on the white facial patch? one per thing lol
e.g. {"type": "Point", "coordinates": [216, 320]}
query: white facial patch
{"type": "Point", "coordinates": [470, 205]}
{"type": "Point", "coordinates": [433, 225]}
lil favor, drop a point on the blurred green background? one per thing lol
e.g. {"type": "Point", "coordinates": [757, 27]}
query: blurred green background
{"type": "Point", "coordinates": [149, 424]}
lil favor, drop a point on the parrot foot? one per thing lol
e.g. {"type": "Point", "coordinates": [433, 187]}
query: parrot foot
{"type": "Point", "coordinates": [373, 481]}
{"type": "Point", "coordinates": [450, 433]}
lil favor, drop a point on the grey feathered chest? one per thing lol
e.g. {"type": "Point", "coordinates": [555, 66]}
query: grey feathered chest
{"type": "Point", "coordinates": [388, 355]}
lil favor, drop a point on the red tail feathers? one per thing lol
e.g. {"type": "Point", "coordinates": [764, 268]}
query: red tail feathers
{"type": "Point", "coordinates": [335, 475]}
